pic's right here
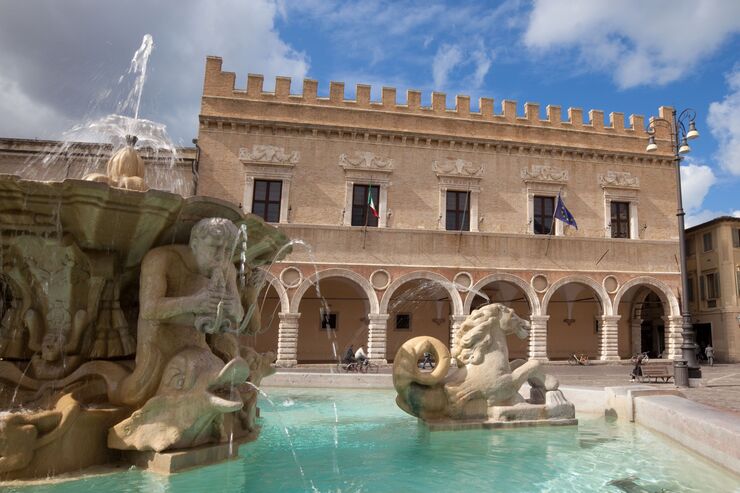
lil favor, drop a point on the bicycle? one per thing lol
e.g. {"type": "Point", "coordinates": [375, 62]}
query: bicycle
{"type": "Point", "coordinates": [578, 359]}
{"type": "Point", "coordinates": [364, 366]}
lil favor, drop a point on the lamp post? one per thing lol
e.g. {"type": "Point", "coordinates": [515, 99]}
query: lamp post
{"type": "Point", "coordinates": [680, 136]}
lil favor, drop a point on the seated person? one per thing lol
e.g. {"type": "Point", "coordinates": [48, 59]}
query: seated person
{"type": "Point", "coordinates": [360, 355]}
{"type": "Point", "coordinates": [349, 356]}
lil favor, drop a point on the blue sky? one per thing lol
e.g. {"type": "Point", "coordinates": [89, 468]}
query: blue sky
{"type": "Point", "coordinates": [629, 56]}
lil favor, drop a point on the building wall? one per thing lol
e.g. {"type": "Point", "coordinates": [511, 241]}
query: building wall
{"type": "Point", "coordinates": [723, 259]}
{"type": "Point", "coordinates": [318, 147]}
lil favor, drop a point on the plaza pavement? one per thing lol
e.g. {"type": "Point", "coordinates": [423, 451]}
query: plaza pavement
{"type": "Point", "coordinates": [720, 384]}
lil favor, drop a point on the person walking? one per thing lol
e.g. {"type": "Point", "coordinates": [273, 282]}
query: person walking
{"type": "Point", "coordinates": [709, 353]}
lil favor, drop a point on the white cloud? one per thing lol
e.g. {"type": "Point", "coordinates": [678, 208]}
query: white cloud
{"type": "Point", "coordinates": [446, 59]}
{"type": "Point", "coordinates": [58, 75]}
{"type": "Point", "coordinates": [724, 123]}
{"type": "Point", "coordinates": [705, 215]}
{"type": "Point", "coordinates": [24, 117]}
{"type": "Point", "coordinates": [696, 180]}
{"type": "Point", "coordinates": [638, 42]}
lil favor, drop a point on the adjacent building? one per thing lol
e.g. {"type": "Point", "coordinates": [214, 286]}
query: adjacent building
{"type": "Point", "coordinates": [713, 263]}
{"type": "Point", "coordinates": [408, 214]}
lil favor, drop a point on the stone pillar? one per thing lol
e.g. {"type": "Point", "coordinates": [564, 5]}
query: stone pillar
{"type": "Point", "coordinates": [538, 337]}
{"type": "Point", "coordinates": [455, 322]}
{"type": "Point", "coordinates": [636, 334]}
{"type": "Point", "coordinates": [674, 336]}
{"type": "Point", "coordinates": [287, 353]}
{"type": "Point", "coordinates": [377, 336]}
{"type": "Point", "coordinates": [609, 344]}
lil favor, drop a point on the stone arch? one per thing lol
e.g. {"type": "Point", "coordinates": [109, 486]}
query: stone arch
{"type": "Point", "coordinates": [455, 298]}
{"type": "Point", "coordinates": [661, 289]}
{"type": "Point", "coordinates": [606, 304]}
{"type": "Point", "coordinates": [363, 283]}
{"type": "Point", "coordinates": [279, 289]}
{"type": "Point", "coordinates": [532, 299]}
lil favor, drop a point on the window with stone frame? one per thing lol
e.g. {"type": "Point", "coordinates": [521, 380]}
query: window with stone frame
{"type": "Point", "coordinates": [736, 237]}
{"type": "Point", "coordinates": [266, 199]}
{"type": "Point", "coordinates": [544, 208]}
{"type": "Point", "coordinates": [689, 244]}
{"type": "Point", "coordinates": [708, 243]}
{"type": "Point", "coordinates": [457, 216]}
{"type": "Point", "coordinates": [710, 286]}
{"type": "Point", "coordinates": [620, 221]}
{"type": "Point", "coordinates": [691, 288]}
{"type": "Point", "coordinates": [362, 214]}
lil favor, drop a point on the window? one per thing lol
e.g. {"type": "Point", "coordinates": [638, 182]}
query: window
{"type": "Point", "coordinates": [458, 211]}
{"type": "Point", "coordinates": [710, 287]}
{"type": "Point", "coordinates": [737, 280]}
{"type": "Point", "coordinates": [691, 289]}
{"type": "Point", "coordinates": [707, 241]}
{"type": "Point", "coordinates": [266, 199]}
{"type": "Point", "coordinates": [362, 214]}
{"type": "Point", "coordinates": [328, 321]}
{"type": "Point", "coordinates": [403, 321]}
{"type": "Point", "coordinates": [689, 244]}
{"type": "Point", "coordinates": [736, 237]}
{"type": "Point", "coordinates": [620, 219]}
{"type": "Point", "coordinates": [544, 208]}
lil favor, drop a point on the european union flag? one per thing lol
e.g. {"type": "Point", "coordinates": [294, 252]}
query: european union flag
{"type": "Point", "coordinates": [564, 214]}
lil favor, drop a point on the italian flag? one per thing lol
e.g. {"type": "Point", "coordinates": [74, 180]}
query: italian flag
{"type": "Point", "coordinates": [372, 204]}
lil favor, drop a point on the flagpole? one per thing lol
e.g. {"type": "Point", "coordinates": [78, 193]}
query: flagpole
{"type": "Point", "coordinates": [552, 225]}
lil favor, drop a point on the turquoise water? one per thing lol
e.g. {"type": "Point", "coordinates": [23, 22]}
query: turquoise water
{"type": "Point", "coordinates": [321, 440]}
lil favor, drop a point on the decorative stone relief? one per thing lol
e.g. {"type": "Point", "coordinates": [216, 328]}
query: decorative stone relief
{"type": "Point", "coordinates": [544, 173]}
{"type": "Point", "coordinates": [457, 167]}
{"type": "Point", "coordinates": [462, 281]}
{"type": "Point", "coordinates": [619, 179]}
{"type": "Point", "coordinates": [291, 277]}
{"type": "Point", "coordinates": [264, 153]}
{"type": "Point", "coordinates": [365, 160]}
{"type": "Point", "coordinates": [539, 283]}
{"type": "Point", "coordinates": [380, 279]}
{"type": "Point", "coordinates": [610, 284]}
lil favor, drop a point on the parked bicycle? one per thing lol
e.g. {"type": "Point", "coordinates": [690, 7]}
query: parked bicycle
{"type": "Point", "coordinates": [578, 359]}
{"type": "Point", "coordinates": [364, 366]}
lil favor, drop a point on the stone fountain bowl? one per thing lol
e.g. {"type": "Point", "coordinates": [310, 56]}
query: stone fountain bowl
{"type": "Point", "coordinates": [104, 218]}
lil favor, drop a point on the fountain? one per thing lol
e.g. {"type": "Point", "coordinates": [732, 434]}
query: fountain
{"type": "Point", "coordinates": [484, 391]}
{"type": "Point", "coordinates": [121, 320]}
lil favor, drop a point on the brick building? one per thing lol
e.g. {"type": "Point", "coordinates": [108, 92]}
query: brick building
{"type": "Point", "coordinates": [464, 203]}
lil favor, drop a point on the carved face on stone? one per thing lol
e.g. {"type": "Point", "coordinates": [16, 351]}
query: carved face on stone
{"type": "Point", "coordinates": [211, 241]}
{"type": "Point", "coordinates": [52, 346]}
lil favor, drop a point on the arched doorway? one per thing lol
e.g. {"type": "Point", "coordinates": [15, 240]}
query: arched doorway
{"type": "Point", "coordinates": [417, 307]}
{"type": "Point", "coordinates": [270, 306]}
{"type": "Point", "coordinates": [575, 311]}
{"type": "Point", "coordinates": [332, 318]}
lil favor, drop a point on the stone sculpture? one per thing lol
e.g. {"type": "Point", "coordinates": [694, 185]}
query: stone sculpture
{"type": "Point", "coordinates": [486, 386]}
{"type": "Point", "coordinates": [68, 304]}
{"type": "Point", "coordinates": [125, 169]}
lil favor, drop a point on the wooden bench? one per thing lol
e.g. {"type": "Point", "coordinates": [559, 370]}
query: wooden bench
{"type": "Point", "coordinates": [662, 370]}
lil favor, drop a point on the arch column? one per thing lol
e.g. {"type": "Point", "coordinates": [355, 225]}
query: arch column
{"type": "Point", "coordinates": [609, 343]}
{"type": "Point", "coordinates": [377, 337]}
{"type": "Point", "coordinates": [674, 336]}
{"type": "Point", "coordinates": [455, 323]}
{"type": "Point", "coordinates": [538, 337]}
{"type": "Point", "coordinates": [287, 354]}
{"type": "Point", "coordinates": [636, 331]}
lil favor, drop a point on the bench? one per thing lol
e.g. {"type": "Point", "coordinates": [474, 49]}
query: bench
{"type": "Point", "coordinates": [663, 370]}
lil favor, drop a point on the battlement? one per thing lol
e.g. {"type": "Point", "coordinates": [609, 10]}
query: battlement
{"type": "Point", "coordinates": [223, 84]}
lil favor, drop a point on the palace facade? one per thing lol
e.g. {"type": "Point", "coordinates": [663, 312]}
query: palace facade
{"type": "Point", "coordinates": [407, 216]}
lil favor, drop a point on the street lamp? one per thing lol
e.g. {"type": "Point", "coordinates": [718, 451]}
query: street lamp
{"type": "Point", "coordinates": [680, 137]}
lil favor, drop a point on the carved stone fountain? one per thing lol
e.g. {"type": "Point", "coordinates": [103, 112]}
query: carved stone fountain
{"type": "Point", "coordinates": [483, 391]}
{"type": "Point", "coordinates": [121, 315]}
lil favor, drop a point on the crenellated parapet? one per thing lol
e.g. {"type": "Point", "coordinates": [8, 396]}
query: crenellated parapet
{"type": "Point", "coordinates": [220, 84]}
